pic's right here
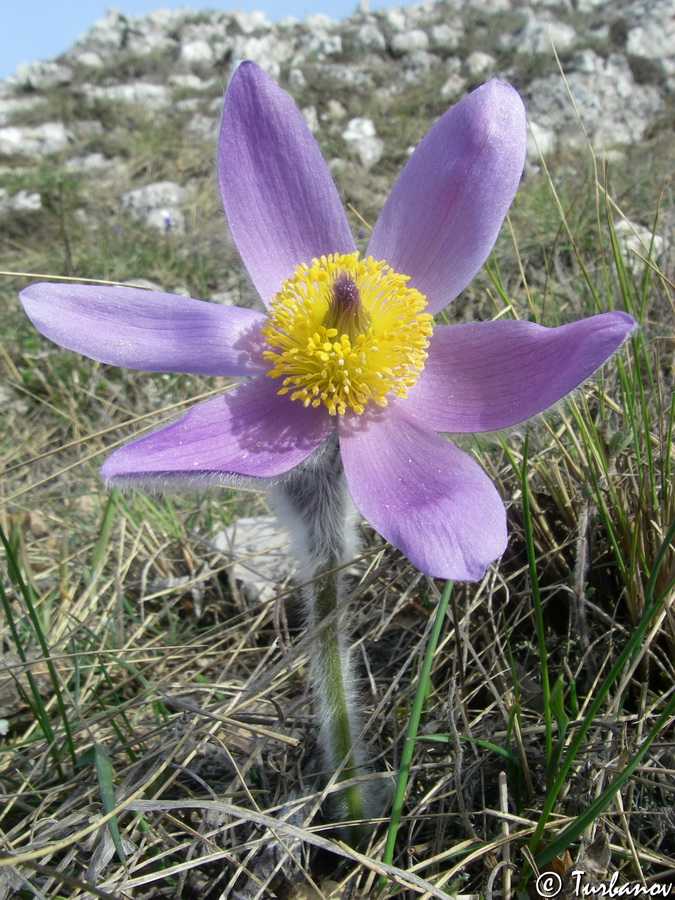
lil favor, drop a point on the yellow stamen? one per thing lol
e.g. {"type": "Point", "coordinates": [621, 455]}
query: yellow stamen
{"type": "Point", "coordinates": [345, 331]}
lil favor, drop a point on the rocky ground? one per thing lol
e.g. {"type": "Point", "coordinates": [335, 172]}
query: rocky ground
{"type": "Point", "coordinates": [368, 86]}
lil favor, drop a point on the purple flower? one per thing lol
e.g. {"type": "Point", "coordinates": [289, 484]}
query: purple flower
{"type": "Point", "coordinates": [348, 342]}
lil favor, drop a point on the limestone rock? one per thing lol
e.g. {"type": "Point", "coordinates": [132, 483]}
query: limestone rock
{"type": "Point", "coordinates": [613, 108]}
{"type": "Point", "coordinates": [11, 107]}
{"type": "Point", "coordinates": [637, 243]}
{"type": "Point", "coordinates": [42, 75]}
{"type": "Point", "coordinates": [21, 202]}
{"type": "Point", "coordinates": [479, 63]}
{"type": "Point", "coordinates": [250, 22]}
{"type": "Point", "coordinates": [408, 41]}
{"type": "Point", "coordinates": [367, 37]}
{"type": "Point", "coordinates": [34, 141]}
{"type": "Point", "coordinates": [138, 93]}
{"type": "Point", "coordinates": [650, 43]}
{"type": "Point", "coordinates": [197, 54]}
{"type": "Point", "coordinates": [541, 35]}
{"type": "Point", "coordinates": [260, 553]}
{"type": "Point", "coordinates": [444, 37]}
{"type": "Point", "coordinates": [361, 137]}
{"type": "Point", "coordinates": [158, 205]}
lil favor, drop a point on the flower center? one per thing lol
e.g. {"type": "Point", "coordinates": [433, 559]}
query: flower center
{"type": "Point", "coordinates": [345, 331]}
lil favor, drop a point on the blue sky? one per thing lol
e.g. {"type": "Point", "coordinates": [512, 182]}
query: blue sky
{"type": "Point", "coordinates": [41, 29]}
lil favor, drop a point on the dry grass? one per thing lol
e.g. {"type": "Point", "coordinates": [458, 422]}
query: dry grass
{"type": "Point", "coordinates": [159, 737]}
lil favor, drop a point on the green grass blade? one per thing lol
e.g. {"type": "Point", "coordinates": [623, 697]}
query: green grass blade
{"type": "Point", "coordinates": [630, 647]}
{"type": "Point", "coordinates": [576, 828]}
{"type": "Point", "coordinates": [104, 776]}
{"type": "Point", "coordinates": [480, 742]}
{"type": "Point", "coordinates": [28, 599]}
{"type": "Point", "coordinates": [413, 726]}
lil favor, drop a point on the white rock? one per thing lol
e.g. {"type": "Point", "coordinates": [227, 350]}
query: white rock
{"type": "Point", "coordinates": [345, 76]}
{"type": "Point", "coordinates": [393, 18]}
{"type": "Point", "coordinates": [336, 110]}
{"type": "Point", "coordinates": [540, 141]}
{"type": "Point", "coordinates": [418, 64]}
{"type": "Point", "coordinates": [361, 136]}
{"type": "Point", "coordinates": [190, 82]}
{"type": "Point", "coordinates": [296, 79]}
{"type": "Point", "coordinates": [157, 205]}
{"type": "Point", "coordinates": [206, 127]}
{"type": "Point", "coordinates": [409, 41]}
{"type": "Point", "coordinates": [444, 37]}
{"type": "Point", "coordinates": [636, 241]}
{"type": "Point", "coordinates": [584, 62]}
{"type": "Point", "coordinates": [359, 128]}
{"type": "Point", "coordinates": [169, 219]}
{"type": "Point", "coordinates": [652, 39]}
{"type": "Point", "coordinates": [321, 44]}
{"type": "Point", "coordinates": [139, 93]}
{"type": "Point", "coordinates": [310, 116]}
{"type": "Point", "coordinates": [487, 6]}
{"type": "Point", "coordinates": [95, 163]}
{"type": "Point", "coordinates": [152, 196]}
{"type": "Point", "coordinates": [39, 140]}
{"type": "Point", "coordinates": [21, 202]}
{"type": "Point", "coordinates": [227, 298]}
{"type": "Point", "coordinates": [197, 53]}
{"type": "Point", "coordinates": [541, 35]}
{"type": "Point", "coordinates": [368, 37]}
{"type": "Point", "coordinates": [148, 42]}
{"type": "Point", "coordinates": [454, 87]}
{"type": "Point", "coordinates": [267, 51]}
{"type": "Point", "coordinates": [42, 75]}
{"type": "Point", "coordinates": [479, 63]}
{"type": "Point", "coordinates": [164, 19]}
{"type": "Point", "coordinates": [89, 59]}
{"type": "Point", "coordinates": [250, 22]}
{"type": "Point", "coordinates": [263, 549]}
{"type": "Point", "coordinates": [11, 106]}
{"type": "Point", "coordinates": [420, 13]}
{"type": "Point", "coordinates": [614, 109]}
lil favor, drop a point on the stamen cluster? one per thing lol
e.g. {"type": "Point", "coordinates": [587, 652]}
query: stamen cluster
{"type": "Point", "coordinates": [345, 331]}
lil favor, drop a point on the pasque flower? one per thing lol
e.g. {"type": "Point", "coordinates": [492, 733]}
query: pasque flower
{"type": "Point", "coordinates": [348, 343]}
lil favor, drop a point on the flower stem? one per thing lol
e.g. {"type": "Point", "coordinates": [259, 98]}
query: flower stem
{"type": "Point", "coordinates": [315, 504]}
{"type": "Point", "coordinates": [332, 679]}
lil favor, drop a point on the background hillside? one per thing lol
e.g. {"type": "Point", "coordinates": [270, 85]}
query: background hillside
{"type": "Point", "coordinates": [149, 659]}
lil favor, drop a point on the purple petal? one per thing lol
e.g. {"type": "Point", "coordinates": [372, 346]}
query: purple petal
{"type": "Point", "coordinates": [485, 375]}
{"type": "Point", "coordinates": [148, 330]}
{"type": "Point", "coordinates": [280, 201]}
{"type": "Point", "coordinates": [249, 431]}
{"type": "Point", "coordinates": [422, 494]}
{"type": "Point", "coordinates": [443, 215]}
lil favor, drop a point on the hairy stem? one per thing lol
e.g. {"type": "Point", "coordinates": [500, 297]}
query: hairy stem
{"type": "Point", "coordinates": [332, 679]}
{"type": "Point", "coordinates": [313, 501]}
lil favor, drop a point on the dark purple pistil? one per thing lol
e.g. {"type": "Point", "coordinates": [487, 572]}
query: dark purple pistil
{"type": "Point", "coordinates": [345, 293]}
{"type": "Point", "coordinates": [345, 310]}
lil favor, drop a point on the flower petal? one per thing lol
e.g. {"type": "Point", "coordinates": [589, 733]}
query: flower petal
{"type": "Point", "coordinates": [443, 215]}
{"type": "Point", "coordinates": [250, 431]}
{"type": "Point", "coordinates": [148, 330]}
{"type": "Point", "coordinates": [422, 494]}
{"type": "Point", "coordinates": [480, 376]}
{"type": "Point", "coordinates": [280, 200]}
